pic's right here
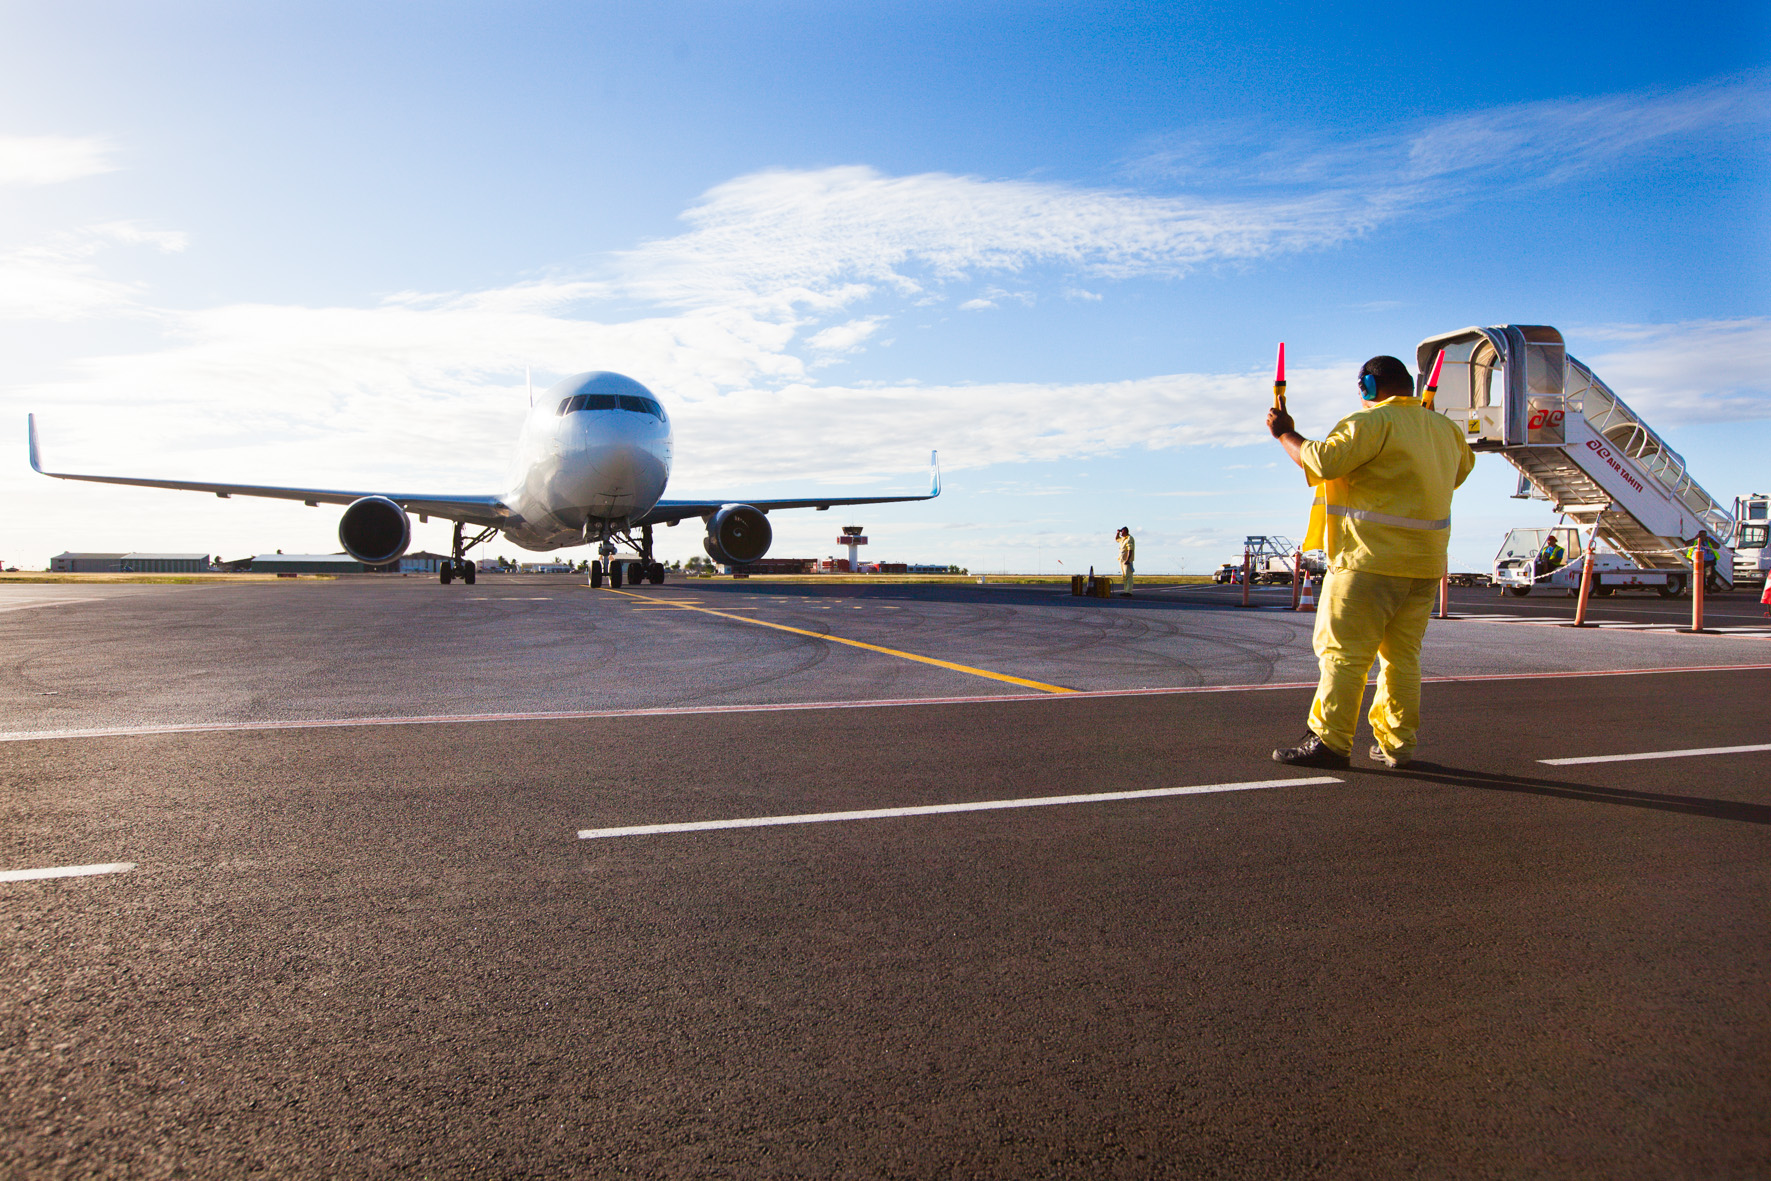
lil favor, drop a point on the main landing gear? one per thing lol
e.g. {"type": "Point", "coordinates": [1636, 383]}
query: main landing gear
{"type": "Point", "coordinates": [460, 566]}
{"type": "Point", "coordinates": [607, 571]}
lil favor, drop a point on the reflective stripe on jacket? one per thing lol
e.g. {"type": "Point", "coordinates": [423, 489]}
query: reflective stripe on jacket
{"type": "Point", "coordinates": [1384, 478]}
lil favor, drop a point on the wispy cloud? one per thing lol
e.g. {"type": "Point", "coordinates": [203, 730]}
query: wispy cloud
{"type": "Point", "coordinates": [1697, 371]}
{"type": "Point", "coordinates": [60, 279]}
{"type": "Point", "coordinates": [1522, 144]}
{"type": "Point", "coordinates": [788, 244]}
{"type": "Point", "coordinates": [52, 159]}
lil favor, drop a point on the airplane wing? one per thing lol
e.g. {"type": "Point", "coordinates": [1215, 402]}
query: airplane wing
{"type": "Point", "coordinates": [672, 511]}
{"type": "Point", "coordinates": [473, 510]}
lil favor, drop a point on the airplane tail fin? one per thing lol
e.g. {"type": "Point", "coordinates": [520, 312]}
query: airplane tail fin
{"type": "Point", "coordinates": [36, 453]}
{"type": "Point", "coordinates": [934, 473]}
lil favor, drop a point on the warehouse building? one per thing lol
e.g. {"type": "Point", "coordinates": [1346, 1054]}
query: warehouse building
{"type": "Point", "coordinates": [138, 563]}
{"type": "Point", "coordinates": [422, 562]}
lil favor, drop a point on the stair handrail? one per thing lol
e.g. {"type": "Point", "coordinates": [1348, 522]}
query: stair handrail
{"type": "Point", "coordinates": [1648, 450]}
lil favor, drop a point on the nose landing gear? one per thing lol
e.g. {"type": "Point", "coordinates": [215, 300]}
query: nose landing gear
{"type": "Point", "coordinates": [607, 571]}
{"type": "Point", "coordinates": [459, 566]}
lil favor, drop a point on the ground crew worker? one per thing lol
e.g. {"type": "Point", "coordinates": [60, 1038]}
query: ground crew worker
{"type": "Point", "coordinates": [1383, 478]}
{"type": "Point", "coordinates": [1127, 551]}
{"type": "Point", "coordinates": [1550, 557]}
{"type": "Point", "coordinates": [1712, 553]}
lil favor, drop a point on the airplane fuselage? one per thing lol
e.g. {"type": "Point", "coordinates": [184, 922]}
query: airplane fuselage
{"type": "Point", "coordinates": [594, 450]}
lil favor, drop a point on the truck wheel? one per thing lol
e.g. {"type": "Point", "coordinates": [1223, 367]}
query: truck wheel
{"type": "Point", "coordinates": [1521, 591]}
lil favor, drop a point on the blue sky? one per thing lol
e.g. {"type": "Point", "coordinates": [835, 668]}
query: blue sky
{"type": "Point", "coordinates": [317, 244]}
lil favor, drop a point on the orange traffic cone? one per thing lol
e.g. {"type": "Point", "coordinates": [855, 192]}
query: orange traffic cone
{"type": "Point", "coordinates": [1308, 601]}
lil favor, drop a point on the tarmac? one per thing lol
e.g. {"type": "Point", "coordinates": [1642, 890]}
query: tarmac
{"type": "Point", "coordinates": [742, 878]}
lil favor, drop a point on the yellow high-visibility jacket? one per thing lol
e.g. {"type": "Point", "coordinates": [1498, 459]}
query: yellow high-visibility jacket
{"type": "Point", "coordinates": [1127, 549]}
{"type": "Point", "coordinates": [1383, 479]}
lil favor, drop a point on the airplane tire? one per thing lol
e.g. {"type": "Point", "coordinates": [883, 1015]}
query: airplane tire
{"type": "Point", "coordinates": [445, 572]}
{"type": "Point", "coordinates": [596, 574]}
{"type": "Point", "coordinates": [467, 573]}
{"type": "Point", "coordinates": [615, 575]}
{"type": "Point", "coordinates": [657, 575]}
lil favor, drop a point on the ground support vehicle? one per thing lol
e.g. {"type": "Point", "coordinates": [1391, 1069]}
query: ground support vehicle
{"type": "Point", "coordinates": [1752, 521]}
{"type": "Point", "coordinates": [1517, 570]}
{"type": "Point", "coordinates": [1271, 558]}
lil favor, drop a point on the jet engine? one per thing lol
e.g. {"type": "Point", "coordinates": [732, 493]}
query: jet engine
{"type": "Point", "coordinates": [737, 533]}
{"type": "Point", "coordinates": [374, 530]}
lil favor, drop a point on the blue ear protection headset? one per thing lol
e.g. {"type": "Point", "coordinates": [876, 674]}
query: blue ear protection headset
{"type": "Point", "coordinates": [1368, 383]}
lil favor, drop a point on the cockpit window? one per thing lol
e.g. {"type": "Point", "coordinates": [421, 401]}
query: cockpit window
{"type": "Point", "coordinates": [641, 406]}
{"type": "Point", "coordinates": [611, 402]}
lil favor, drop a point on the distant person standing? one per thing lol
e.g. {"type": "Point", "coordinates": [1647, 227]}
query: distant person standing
{"type": "Point", "coordinates": [1127, 551]}
{"type": "Point", "coordinates": [1383, 478]}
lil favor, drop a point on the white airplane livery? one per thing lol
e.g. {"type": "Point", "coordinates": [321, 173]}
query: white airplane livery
{"type": "Point", "coordinates": [592, 463]}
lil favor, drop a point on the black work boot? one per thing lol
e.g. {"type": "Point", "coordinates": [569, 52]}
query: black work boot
{"type": "Point", "coordinates": [1312, 752]}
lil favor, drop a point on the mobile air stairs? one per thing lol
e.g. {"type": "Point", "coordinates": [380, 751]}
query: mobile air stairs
{"type": "Point", "coordinates": [1517, 392]}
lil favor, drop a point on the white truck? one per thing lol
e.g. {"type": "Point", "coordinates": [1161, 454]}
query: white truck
{"type": "Point", "coordinates": [1272, 556]}
{"type": "Point", "coordinates": [1752, 521]}
{"type": "Point", "coordinates": [1517, 567]}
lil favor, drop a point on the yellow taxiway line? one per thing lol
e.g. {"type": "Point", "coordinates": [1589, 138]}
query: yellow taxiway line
{"type": "Point", "coordinates": [800, 631]}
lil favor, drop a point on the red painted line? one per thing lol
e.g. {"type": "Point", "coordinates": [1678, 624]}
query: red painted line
{"type": "Point", "coordinates": [791, 707]}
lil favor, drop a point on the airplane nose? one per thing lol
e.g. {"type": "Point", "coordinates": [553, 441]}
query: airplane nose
{"type": "Point", "coordinates": [615, 475]}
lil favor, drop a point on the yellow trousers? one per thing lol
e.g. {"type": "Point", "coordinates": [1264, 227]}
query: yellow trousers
{"type": "Point", "coordinates": [1125, 569]}
{"type": "Point", "coordinates": [1362, 616]}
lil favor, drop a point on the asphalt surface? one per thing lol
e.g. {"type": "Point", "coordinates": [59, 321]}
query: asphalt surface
{"type": "Point", "coordinates": [377, 949]}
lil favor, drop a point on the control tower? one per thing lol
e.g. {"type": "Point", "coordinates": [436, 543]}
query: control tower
{"type": "Point", "coordinates": [854, 538]}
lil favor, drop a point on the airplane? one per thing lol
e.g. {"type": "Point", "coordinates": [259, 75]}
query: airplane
{"type": "Point", "coordinates": [592, 462]}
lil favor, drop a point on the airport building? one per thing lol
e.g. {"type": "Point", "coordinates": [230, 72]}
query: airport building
{"type": "Point", "coordinates": [422, 562]}
{"type": "Point", "coordinates": [138, 563]}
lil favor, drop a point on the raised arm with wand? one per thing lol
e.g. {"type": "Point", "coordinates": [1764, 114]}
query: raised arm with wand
{"type": "Point", "coordinates": [1433, 381]}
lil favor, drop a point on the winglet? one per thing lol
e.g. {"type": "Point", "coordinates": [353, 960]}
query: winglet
{"type": "Point", "coordinates": [934, 472]}
{"type": "Point", "coordinates": [31, 433]}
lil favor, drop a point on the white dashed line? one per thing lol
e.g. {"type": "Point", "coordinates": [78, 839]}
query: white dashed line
{"type": "Point", "coordinates": [1659, 754]}
{"type": "Point", "coordinates": [65, 871]}
{"type": "Point", "coordinates": [941, 809]}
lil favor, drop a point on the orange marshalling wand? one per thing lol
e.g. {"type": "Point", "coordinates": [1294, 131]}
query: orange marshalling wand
{"type": "Point", "coordinates": [1433, 381]}
{"type": "Point", "coordinates": [1279, 380]}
